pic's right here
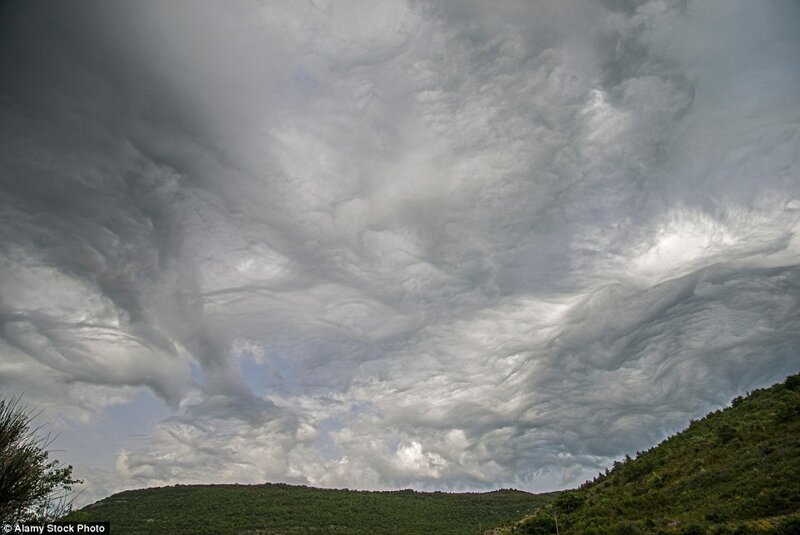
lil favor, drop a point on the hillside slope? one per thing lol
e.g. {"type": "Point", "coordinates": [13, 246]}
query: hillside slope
{"type": "Point", "coordinates": [736, 470]}
{"type": "Point", "coordinates": [277, 508]}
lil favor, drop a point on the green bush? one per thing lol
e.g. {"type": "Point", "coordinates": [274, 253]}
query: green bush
{"type": "Point", "coordinates": [569, 501]}
{"type": "Point", "coordinates": [32, 488]}
{"type": "Point", "coordinates": [693, 529]}
{"type": "Point", "coordinates": [790, 527]}
{"type": "Point", "coordinates": [540, 524]}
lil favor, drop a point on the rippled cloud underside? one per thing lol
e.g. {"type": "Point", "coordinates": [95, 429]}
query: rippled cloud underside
{"type": "Point", "coordinates": [445, 245]}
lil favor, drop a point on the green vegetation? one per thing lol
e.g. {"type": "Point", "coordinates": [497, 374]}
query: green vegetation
{"type": "Point", "coordinates": [736, 471]}
{"type": "Point", "coordinates": [32, 488]}
{"type": "Point", "coordinates": [277, 508]}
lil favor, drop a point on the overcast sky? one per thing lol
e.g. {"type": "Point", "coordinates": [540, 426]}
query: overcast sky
{"type": "Point", "coordinates": [441, 245]}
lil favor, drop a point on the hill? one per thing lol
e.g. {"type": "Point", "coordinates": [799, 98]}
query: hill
{"type": "Point", "coordinates": [277, 508]}
{"type": "Point", "coordinates": [736, 471]}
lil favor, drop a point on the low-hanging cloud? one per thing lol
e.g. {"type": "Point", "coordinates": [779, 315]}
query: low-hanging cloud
{"type": "Point", "coordinates": [396, 244]}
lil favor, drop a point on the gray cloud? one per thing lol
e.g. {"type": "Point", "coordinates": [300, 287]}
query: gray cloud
{"type": "Point", "coordinates": [387, 244]}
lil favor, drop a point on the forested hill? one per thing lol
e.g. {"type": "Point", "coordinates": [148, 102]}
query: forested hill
{"type": "Point", "coordinates": [276, 508]}
{"type": "Point", "coordinates": [735, 471]}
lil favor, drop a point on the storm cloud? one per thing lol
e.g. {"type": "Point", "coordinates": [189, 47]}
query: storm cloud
{"type": "Point", "coordinates": [445, 245]}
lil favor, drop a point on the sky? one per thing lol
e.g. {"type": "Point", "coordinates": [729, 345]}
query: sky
{"type": "Point", "coordinates": [451, 245]}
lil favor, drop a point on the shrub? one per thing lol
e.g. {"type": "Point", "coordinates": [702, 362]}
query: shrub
{"type": "Point", "coordinates": [693, 529]}
{"type": "Point", "coordinates": [539, 524]}
{"type": "Point", "coordinates": [568, 502]}
{"type": "Point", "coordinates": [790, 526]}
{"type": "Point", "coordinates": [32, 488]}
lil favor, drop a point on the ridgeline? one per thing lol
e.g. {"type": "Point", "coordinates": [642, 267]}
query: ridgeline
{"type": "Point", "coordinates": [277, 508]}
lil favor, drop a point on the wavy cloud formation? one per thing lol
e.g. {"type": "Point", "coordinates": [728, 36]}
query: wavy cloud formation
{"type": "Point", "coordinates": [390, 244]}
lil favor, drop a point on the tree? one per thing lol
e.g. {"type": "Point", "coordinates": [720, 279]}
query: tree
{"type": "Point", "coordinates": [569, 502]}
{"type": "Point", "coordinates": [32, 487]}
{"type": "Point", "coordinates": [542, 523]}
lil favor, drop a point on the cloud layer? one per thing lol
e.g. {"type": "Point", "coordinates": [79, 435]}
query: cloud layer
{"type": "Point", "coordinates": [394, 244]}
